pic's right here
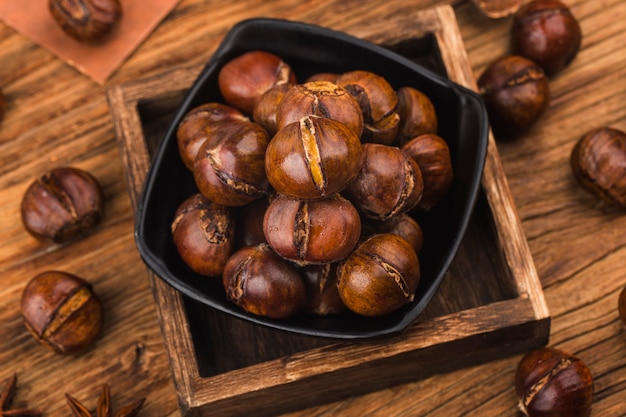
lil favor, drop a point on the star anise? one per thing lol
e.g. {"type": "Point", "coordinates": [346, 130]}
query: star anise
{"type": "Point", "coordinates": [104, 406]}
{"type": "Point", "coordinates": [7, 396]}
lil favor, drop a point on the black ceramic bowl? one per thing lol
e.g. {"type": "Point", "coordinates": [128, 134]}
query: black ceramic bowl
{"type": "Point", "coordinates": [309, 49]}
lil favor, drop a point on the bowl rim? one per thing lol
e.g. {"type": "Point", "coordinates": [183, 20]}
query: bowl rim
{"type": "Point", "coordinates": [156, 264]}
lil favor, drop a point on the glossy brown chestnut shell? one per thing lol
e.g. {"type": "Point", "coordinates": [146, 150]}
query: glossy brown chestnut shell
{"type": "Point", "coordinates": [546, 32]}
{"type": "Point", "coordinates": [262, 283]}
{"type": "Point", "coordinates": [417, 114]}
{"type": "Point", "coordinates": [380, 276]}
{"type": "Point", "coordinates": [516, 93]}
{"type": "Point", "coordinates": [86, 20]}
{"type": "Point", "coordinates": [62, 311]}
{"type": "Point", "coordinates": [63, 204]}
{"type": "Point", "coordinates": [320, 98]}
{"type": "Point", "coordinates": [249, 219]}
{"type": "Point", "coordinates": [230, 165]}
{"type": "Point", "coordinates": [389, 183]}
{"type": "Point", "coordinates": [598, 161]}
{"type": "Point", "coordinates": [552, 383]}
{"type": "Point", "coordinates": [322, 293]}
{"type": "Point", "coordinates": [306, 232]}
{"type": "Point", "coordinates": [403, 225]}
{"type": "Point", "coordinates": [266, 107]}
{"type": "Point", "coordinates": [204, 235]}
{"type": "Point", "coordinates": [243, 79]}
{"type": "Point", "coordinates": [312, 158]}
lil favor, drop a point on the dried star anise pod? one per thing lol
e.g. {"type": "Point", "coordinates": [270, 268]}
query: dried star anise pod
{"type": "Point", "coordinates": [104, 406]}
{"type": "Point", "coordinates": [7, 396]}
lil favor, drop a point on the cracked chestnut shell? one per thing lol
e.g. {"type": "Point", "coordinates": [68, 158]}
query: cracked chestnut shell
{"type": "Point", "coordinates": [266, 107]}
{"type": "Point", "coordinates": [63, 204]}
{"type": "Point", "coordinates": [204, 235]}
{"type": "Point", "coordinates": [553, 383]}
{"type": "Point", "coordinates": [320, 98]}
{"type": "Point", "coordinates": [516, 94]}
{"type": "Point", "coordinates": [62, 311]}
{"type": "Point", "coordinates": [306, 232]}
{"type": "Point", "coordinates": [389, 183]}
{"type": "Point", "coordinates": [312, 158]}
{"type": "Point", "coordinates": [378, 102]}
{"type": "Point", "coordinates": [86, 20]}
{"type": "Point", "coordinates": [261, 282]}
{"type": "Point", "coordinates": [546, 32]}
{"type": "Point", "coordinates": [598, 161]}
{"type": "Point", "coordinates": [243, 79]}
{"type": "Point", "coordinates": [417, 114]}
{"type": "Point", "coordinates": [229, 167]}
{"type": "Point", "coordinates": [380, 276]}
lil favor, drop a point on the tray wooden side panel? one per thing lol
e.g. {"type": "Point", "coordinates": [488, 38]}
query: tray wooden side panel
{"type": "Point", "coordinates": [492, 323]}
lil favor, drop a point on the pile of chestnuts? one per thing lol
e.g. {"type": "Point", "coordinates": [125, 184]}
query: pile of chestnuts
{"type": "Point", "coordinates": [306, 190]}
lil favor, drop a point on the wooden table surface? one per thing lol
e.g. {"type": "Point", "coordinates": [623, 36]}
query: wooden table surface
{"type": "Point", "coordinates": [57, 116]}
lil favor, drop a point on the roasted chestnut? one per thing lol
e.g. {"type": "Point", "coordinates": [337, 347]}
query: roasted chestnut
{"type": "Point", "coordinates": [306, 232]}
{"type": "Point", "coordinates": [432, 154]}
{"type": "Point", "coordinates": [204, 235]}
{"type": "Point", "coordinates": [380, 276]}
{"type": "Point", "coordinates": [249, 219]}
{"type": "Point", "coordinates": [389, 182]}
{"type": "Point", "coordinates": [86, 20]}
{"type": "Point", "coordinates": [323, 76]}
{"type": "Point", "coordinates": [261, 282]}
{"type": "Point", "coordinates": [312, 158]}
{"type": "Point", "coordinates": [417, 114]}
{"type": "Point", "coordinates": [322, 293]}
{"type": "Point", "coordinates": [266, 107]}
{"type": "Point", "coordinates": [229, 167]}
{"type": "Point", "coordinates": [243, 79]}
{"type": "Point", "coordinates": [402, 225]}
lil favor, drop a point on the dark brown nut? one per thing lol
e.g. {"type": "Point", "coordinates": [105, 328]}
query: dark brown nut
{"type": "Point", "coordinates": [313, 158]}
{"type": "Point", "coordinates": [62, 311]}
{"type": "Point", "coordinates": [306, 232]}
{"type": "Point", "coordinates": [550, 382]}
{"type": "Point", "coordinates": [262, 283]}
{"type": "Point", "coordinates": [63, 204]}
{"type": "Point", "coordinates": [380, 276]}
{"type": "Point", "coordinates": [432, 154]}
{"type": "Point", "coordinates": [323, 76]}
{"type": "Point", "coordinates": [546, 32]}
{"type": "Point", "coordinates": [243, 79]}
{"type": "Point", "coordinates": [86, 20]}
{"type": "Point", "coordinates": [598, 162]}
{"type": "Point", "coordinates": [404, 226]}
{"type": "Point", "coordinates": [516, 94]}
{"type": "Point", "coordinates": [322, 293]}
{"type": "Point", "coordinates": [204, 235]}
{"type": "Point", "coordinates": [320, 98]}
{"type": "Point", "coordinates": [378, 102]}
{"type": "Point", "coordinates": [197, 126]}
{"type": "Point", "coordinates": [621, 305]}
{"type": "Point", "coordinates": [266, 107]}
{"type": "Point", "coordinates": [388, 184]}
{"type": "Point", "coordinates": [417, 114]}
{"type": "Point", "coordinates": [229, 167]}
{"type": "Point", "coordinates": [249, 219]}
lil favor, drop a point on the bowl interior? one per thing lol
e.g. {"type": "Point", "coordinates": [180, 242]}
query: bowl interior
{"type": "Point", "coordinates": [309, 49]}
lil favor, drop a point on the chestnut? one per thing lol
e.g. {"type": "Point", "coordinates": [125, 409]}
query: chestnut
{"type": "Point", "coordinates": [380, 276]}
{"type": "Point", "coordinates": [322, 293]}
{"type": "Point", "coordinates": [197, 126]}
{"type": "Point", "coordinates": [86, 20]}
{"type": "Point", "coordinates": [550, 382]}
{"type": "Point", "coordinates": [432, 154]}
{"type": "Point", "coordinates": [598, 161]}
{"type": "Point", "coordinates": [417, 114]}
{"type": "Point", "coordinates": [320, 98]}
{"type": "Point", "coordinates": [323, 76]}
{"type": "Point", "coordinates": [262, 283]}
{"type": "Point", "coordinates": [62, 311]}
{"type": "Point", "coordinates": [243, 79]}
{"type": "Point", "coordinates": [378, 102]}
{"type": "Point", "coordinates": [266, 107]}
{"type": "Point", "coordinates": [229, 167]}
{"type": "Point", "coordinates": [249, 220]}
{"type": "Point", "coordinates": [621, 306]}
{"type": "Point", "coordinates": [403, 225]}
{"type": "Point", "coordinates": [204, 235]}
{"type": "Point", "coordinates": [319, 231]}
{"type": "Point", "coordinates": [389, 182]}
{"type": "Point", "coordinates": [63, 204]}
{"type": "Point", "coordinates": [546, 32]}
{"type": "Point", "coordinates": [312, 158]}
{"type": "Point", "coordinates": [516, 93]}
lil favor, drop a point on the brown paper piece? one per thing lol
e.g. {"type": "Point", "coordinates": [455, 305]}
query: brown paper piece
{"type": "Point", "coordinates": [98, 61]}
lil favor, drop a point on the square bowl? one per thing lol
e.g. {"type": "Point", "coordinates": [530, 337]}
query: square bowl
{"type": "Point", "coordinates": [310, 49]}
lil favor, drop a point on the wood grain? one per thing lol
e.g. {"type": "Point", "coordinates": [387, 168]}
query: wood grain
{"type": "Point", "coordinates": [57, 116]}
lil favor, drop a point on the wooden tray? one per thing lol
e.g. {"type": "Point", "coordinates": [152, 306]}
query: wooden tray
{"type": "Point", "coordinates": [490, 304]}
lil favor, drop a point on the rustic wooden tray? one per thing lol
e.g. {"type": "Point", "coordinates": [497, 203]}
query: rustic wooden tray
{"type": "Point", "coordinates": [489, 305]}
